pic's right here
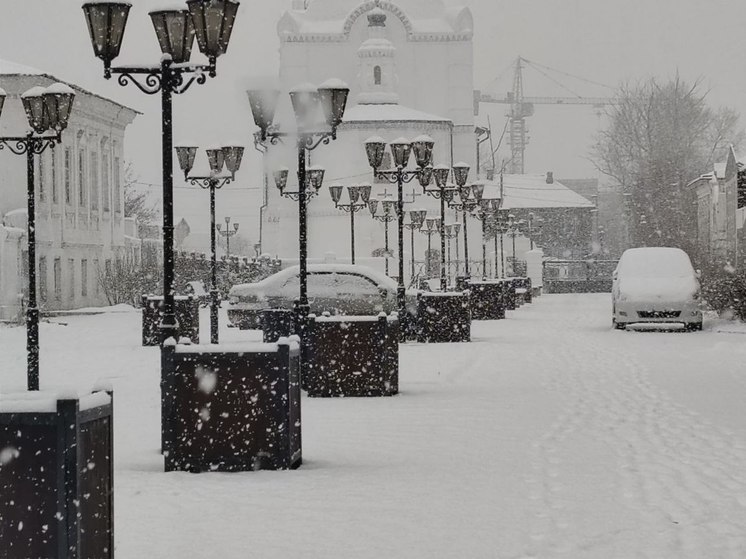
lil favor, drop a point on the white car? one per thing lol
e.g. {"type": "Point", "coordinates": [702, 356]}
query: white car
{"type": "Point", "coordinates": [656, 285]}
{"type": "Point", "coordinates": [337, 288]}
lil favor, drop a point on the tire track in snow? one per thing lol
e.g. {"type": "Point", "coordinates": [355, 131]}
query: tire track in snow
{"type": "Point", "coordinates": [679, 477]}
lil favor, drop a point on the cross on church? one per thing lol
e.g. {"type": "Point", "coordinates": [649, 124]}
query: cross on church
{"type": "Point", "coordinates": [385, 195]}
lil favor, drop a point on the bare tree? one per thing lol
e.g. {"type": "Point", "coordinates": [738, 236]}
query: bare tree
{"type": "Point", "coordinates": [661, 136]}
{"type": "Point", "coordinates": [137, 202]}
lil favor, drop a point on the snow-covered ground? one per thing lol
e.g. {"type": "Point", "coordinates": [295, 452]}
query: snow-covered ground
{"type": "Point", "coordinates": [550, 435]}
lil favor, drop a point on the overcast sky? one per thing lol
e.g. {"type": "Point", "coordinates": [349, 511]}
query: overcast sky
{"type": "Point", "coordinates": [606, 41]}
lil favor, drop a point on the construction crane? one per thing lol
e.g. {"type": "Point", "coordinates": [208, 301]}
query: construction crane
{"type": "Point", "coordinates": [522, 107]}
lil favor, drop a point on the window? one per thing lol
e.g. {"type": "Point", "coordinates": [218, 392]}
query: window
{"type": "Point", "coordinates": [377, 75]}
{"type": "Point", "coordinates": [84, 277]}
{"type": "Point", "coordinates": [96, 278]}
{"type": "Point", "coordinates": [105, 202]}
{"type": "Point", "coordinates": [57, 279]}
{"type": "Point", "coordinates": [41, 178]}
{"type": "Point", "coordinates": [53, 176]}
{"type": "Point", "coordinates": [71, 273]}
{"type": "Point", "coordinates": [68, 176]}
{"type": "Point", "coordinates": [82, 194]}
{"type": "Point", "coordinates": [43, 278]}
{"type": "Point", "coordinates": [94, 180]}
{"type": "Point", "coordinates": [117, 185]}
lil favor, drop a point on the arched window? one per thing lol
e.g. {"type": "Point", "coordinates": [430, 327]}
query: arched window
{"type": "Point", "coordinates": [377, 75]}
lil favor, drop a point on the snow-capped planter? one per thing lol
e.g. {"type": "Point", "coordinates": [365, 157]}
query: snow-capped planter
{"type": "Point", "coordinates": [523, 290]}
{"type": "Point", "coordinates": [276, 323]}
{"type": "Point", "coordinates": [187, 316]}
{"type": "Point", "coordinates": [231, 407]}
{"type": "Point", "coordinates": [443, 317]}
{"type": "Point", "coordinates": [352, 356]}
{"type": "Point", "coordinates": [486, 299]}
{"type": "Point", "coordinates": [56, 475]}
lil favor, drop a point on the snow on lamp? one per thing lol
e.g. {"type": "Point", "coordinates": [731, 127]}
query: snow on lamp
{"type": "Point", "coordinates": [423, 150]}
{"type": "Point", "coordinates": [58, 104]}
{"type": "Point", "coordinates": [33, 105]}
{"type": "Point", "coordinates": [233, 156]}
{"type": "Point", "coordinates": [213, 22]}
{"type": "Point", "coordinates": [316, 176]}
{"type": "Point", "coordinates": [106, 24]}
{"type": "Point", "coordinates": [333, 97]}
{"type": "Point", "coordinates": [216, 159]}
{"type": "Point", "coordinates": [375, 147]}
{"type": "Point", "coordinates": [281, 178]}
{"type": "Point", "coordinates": [186, 156]}
{"type": "Point", "coordinates": [460, 173]}
{"type": "Point", "coordinates": [401, 148]}
{"type": "Point", "coordinates": [305, 100]}
{"type": "Point", "coordinates": [441, 172]}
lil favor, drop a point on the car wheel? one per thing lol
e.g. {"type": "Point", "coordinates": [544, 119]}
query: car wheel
{"type": "Point", "coordinates": [618, 325]}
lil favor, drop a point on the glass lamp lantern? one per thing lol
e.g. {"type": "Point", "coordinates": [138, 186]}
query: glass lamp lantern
{"type": "Point", "coordinates": [375, 149]}
{"type": "Point", "coordinates": [213, 22]}
{"type": "Point", "coordinates": [106, 24]}
{"type": "Point", "coordinates": [401, 148]}
{"type": "Point", "coordinates": [175, 32]}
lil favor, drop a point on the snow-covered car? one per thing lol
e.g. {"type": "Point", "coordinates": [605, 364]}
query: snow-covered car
{"type": "Point", "coordinates": [656, 285]}
{"type": "Point", "coordinates": [336, 288]}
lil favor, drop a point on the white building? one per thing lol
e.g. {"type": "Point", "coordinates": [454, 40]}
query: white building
{"type": "Point", "coordinates": [409, 67]}
{"type": "Point", "coordinates": [80, 200]}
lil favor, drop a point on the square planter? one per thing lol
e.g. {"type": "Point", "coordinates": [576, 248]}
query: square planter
{"type": "Point", "coordinates": [232, 407]}
{"type": "Point", "coordinates": [56, 475]}
{"type": "Point", "coordinates": [509, 294]}
{"type": "Point", "coordinates": [486, 300]}
{"type": "Point", "coordinates": [443, 317]}
{"type": "Point", "coordinates": [187, 316]}
{"type": "Point", "coordinates": [352, 356]}
{"type": "Point", "coordinates": [276, 324]}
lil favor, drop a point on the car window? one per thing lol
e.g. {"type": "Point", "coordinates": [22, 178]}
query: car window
{"type": "Point", "coordinates": [356, 285]}
{"type": "Point", "coordinates": [322, 284]}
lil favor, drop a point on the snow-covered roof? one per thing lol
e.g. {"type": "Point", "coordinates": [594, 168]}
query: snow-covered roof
{"type": "Point", "coordinates": [390, 113]}
{"type": "Point", "coordinates": [9, 68]}
{"type": "Point", "coordinates": [533, 191]}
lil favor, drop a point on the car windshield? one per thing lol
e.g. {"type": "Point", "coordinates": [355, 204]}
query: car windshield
{"type": "Point", "coordinates": [655, 263]}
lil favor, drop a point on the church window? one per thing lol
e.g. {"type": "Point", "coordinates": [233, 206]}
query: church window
{"type": "Point", "coordinates": [377, 75]}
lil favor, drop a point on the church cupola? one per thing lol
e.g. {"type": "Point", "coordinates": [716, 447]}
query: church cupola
{"type": "Point", "coordinates": [377, 73]}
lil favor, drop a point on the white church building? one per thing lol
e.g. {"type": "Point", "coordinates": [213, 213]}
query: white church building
{"type": "Point", "coordinates": [410, 70]}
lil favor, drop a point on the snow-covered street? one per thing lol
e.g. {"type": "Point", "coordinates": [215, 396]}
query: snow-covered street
{"type": "Point", "coordinates": [550, 435]}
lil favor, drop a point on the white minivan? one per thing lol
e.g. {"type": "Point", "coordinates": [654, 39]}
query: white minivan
{"type": "Point", "coordinates": [656, 285]}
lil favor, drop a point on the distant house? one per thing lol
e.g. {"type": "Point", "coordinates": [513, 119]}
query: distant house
{"type": "Point", "coordinates": [79, 194]}
{"type": "Point", "coordinates": [567, 229]}
{"type": "Point", "coordinates": [718, 199]}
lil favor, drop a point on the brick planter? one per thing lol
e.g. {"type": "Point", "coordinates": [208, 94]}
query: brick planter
{"type": "Point", "coordinates": [352, 356]}
{"type": "Point", "coordinates": [486, 300]}
{"type": "Point", "coordinates": [232, 407]}
{"type": "Point", "coordinates": [509, 294]}
{"type": "Point", "coordinates": [56, 476]}
{"type": "Point", "coordinates": [187, 315]}
{"type": "Point", "coordinates": [443, 317]}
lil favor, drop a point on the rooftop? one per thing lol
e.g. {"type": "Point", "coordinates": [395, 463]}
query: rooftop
{"type": "Point", "coordinates": [389, 112]}
{"type": "Point", "coordinates": [533, 191]}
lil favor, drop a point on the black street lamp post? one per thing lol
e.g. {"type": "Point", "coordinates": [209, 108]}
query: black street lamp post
{"type": "Point", "coordinates": [48, 112]}
{"type": "Point", "coordinates": [432, 225]}
{"type": "Point", "coordinates": [486, 212]}
{"type": "Point", "coordinates": [332, 97]}
{"type": "Point", "coordinates": [445, 193]}
{"type": "Point", "coordinates": [401, 149]}
{"type": "Point", "coordinates": [227, 234]}
{"type": "Point", "coordinates": [211, 23]}
{"type": "Point", "coordinates": [230, 157]}
{"type": "Point", "coordinates": [469, 197]}
{"type": "Point", "coordinates": [359, 198]}
{"type": "Point", "coordinates": [452, 231]}
{"type": "Point", "coordinates": [416, 220]}
{"type": "Point", "coordinates": [388, 215]}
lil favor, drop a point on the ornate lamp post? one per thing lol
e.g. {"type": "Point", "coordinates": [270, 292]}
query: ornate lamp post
{"type": "Point", "coordinates": [48, 112]}
{"type": "Point", "coordinates": [229, 157]}
{"type": "Point", "coordinates": [445, 194]}
{"type": "Point", "coordinates": [486, 212]}
{"type": "Point", "coordinates": [432, 225]}
{"type": "Point", "coordinates": [388, 215]}
{"type": "Point", "coordinates": [227, 234]}
{"type": "Point", "coordinates": [332, 97]}
{"type": "Point", "coordinates": [416, 220]}
{"type": "Point", "coordinates": [359, 198]}
{"type": "Point", "coordinates": [401, 150]}
{"type": "Point", "coordinates": [469, 197]}
{"type": "Point", "coordinates": [211, 23]}
{"type": "Point", "coordinates": [452, 231]}
{"type": "Point", "coordinates": [513, 230]}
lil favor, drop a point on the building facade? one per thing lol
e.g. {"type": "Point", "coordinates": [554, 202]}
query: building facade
{"type": "Point", "coordinates": [409, 67]}
{"type": "Point", "coordinates": [79, 194]}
